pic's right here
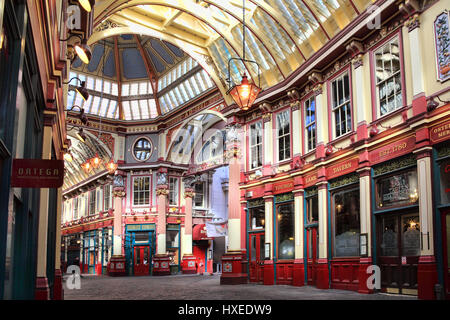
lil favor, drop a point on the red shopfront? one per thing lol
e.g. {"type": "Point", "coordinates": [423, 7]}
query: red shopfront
{"type": "Point", "coordinates": [202, 249]}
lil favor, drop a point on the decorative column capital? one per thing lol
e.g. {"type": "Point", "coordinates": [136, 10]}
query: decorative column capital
{"type": "Point", "coordinates": [413, 22]}
{"type": "Point", "coordinates": [162, 190]}
{"type": "Point", "coordinates": [267, 117]}
{"type": "Point", "coordinates": [119, 186]}
{"type": "Point", "coordinates": [189, 193]}
{"type": "Point", "coordinates": [357, 61]}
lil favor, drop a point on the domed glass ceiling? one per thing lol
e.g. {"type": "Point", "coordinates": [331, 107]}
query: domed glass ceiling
{"type": "Point", "coordinates": [136, 78]}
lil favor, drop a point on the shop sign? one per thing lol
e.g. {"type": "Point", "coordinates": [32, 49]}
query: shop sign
{"type": "Point", "coordinates": [310, 180]}
{"type": "Point", "coordinates": [392, 150]}
{"type": "Point", "coordinates": [283, 187]}
{"type": "Point", "coordinates": [440, 132]}
{"type": "Point", "coordinates": [342, 168]}
{"type": "Point", "coordinates": [37, 173]}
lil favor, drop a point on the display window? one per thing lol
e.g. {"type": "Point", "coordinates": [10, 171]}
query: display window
{"type": "Point", "coordinates": [346, 223]}
{"type": "Point", "coordinates": [444, 181]}
{"type": "Point", "coordinates": [312, 205]}
{"type": "Point", "coordinates": [285, 228]}
{"type": "Point", "coordinates": [397, 190]}
{"type": "Point", "coordinates": [256, 211]}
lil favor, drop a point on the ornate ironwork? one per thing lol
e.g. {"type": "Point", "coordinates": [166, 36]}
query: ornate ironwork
{"type": "Point", "coordinates": [395, 164]}
{"type": "Point", "coordinates": [345, 180]}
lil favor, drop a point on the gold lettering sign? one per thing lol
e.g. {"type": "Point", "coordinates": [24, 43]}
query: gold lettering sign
{"type": "Point", "coordinates": [440, 132]}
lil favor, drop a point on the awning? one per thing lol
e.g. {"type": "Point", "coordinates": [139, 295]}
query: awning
{"type": "Point", "coordinates": [199, 232]}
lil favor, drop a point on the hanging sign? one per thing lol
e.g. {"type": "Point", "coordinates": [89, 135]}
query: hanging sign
{"type": "Point", "coordinates": [37, 173]}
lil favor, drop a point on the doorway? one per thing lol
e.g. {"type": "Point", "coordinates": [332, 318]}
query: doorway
{"type": "Point", "coordinates": [141, 261]}
{"type": "Point", "coordinates": [398, 251]}
{"type": "Point", "coordinates": [446, 250]}
{"type": "Point", "coordinates": [312, 243]}
{"type": "Point", "coordinates": [256, 256]}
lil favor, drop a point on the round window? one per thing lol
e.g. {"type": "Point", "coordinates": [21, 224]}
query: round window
{"type": "Point", "coordinates": [142, 149]}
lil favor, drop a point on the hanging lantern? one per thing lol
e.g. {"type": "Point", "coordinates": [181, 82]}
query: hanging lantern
{"type": "Point", "coordinates": [111, 166]}
{"type": "Point", "coordinates": [87, 167]}
{"type": "Point", "coordinates": [245, 94]}
{"type": "Point", "coordinates": [96, 161]}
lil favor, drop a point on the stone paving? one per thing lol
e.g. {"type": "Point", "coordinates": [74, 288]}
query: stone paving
{"type": "Point", "coordinates": [203, 287]}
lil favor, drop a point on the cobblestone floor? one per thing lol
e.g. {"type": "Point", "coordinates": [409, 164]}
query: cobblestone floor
{"type": "Point", "coordinates": [203, 287]}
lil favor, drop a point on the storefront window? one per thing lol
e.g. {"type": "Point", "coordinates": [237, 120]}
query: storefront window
{"type": "Point", "coordinates": [285, 236]}
{"type": "Point", "coordinates": [256, 213]}
{"type": "Point", "coordinates": [445, 181]}
{"type": "Point", "coordinates": [4, 59]}
{"type": "Point", "coordinates": [346, 223]}
{"type": "Point", "coordinates": [397, 190]}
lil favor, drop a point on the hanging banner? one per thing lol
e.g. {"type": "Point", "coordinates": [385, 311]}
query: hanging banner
{"type": "Point", "coordinates": [37, 173]}
{"type": "Point", "coordinates": [216, 230]}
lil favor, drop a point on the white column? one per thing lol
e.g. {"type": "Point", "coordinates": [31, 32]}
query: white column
{"type": "Point", "coordinates": [364, 206]}
{"type": "Point", "coordinates": [415, 49]}
{"type": "Point", "coordinates": [268, 225]}
{"type": "Point", "coordinates": [268, 139]}
{"type": "Point", "coordinates": [323, 218]}
{"type": "Point", "coordinates": [362, 114]}
{"type": "Point", "coordinates": [299, 225]}
{"type": "Point", "coordinates": [296, 129]}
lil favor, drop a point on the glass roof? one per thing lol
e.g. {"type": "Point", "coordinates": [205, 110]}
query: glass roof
{"type": "Point", "coordinates": [300, 27]}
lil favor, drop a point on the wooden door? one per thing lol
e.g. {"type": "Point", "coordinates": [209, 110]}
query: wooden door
{"type": "Point", "coordinates": [311, 254]}
{"type": "Point", "coordinates": [141, 260]}
{"type": "Point", "coordinates": [256, 256]}
{"type": "Point", "coordinates": [398, 243]}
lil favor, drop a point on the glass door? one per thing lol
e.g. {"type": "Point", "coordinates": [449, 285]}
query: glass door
{"type": "Point", "coordinates": [398, 252]}
{"type": "Point", "coordinates": [312, 254]}
{"type": "Point", "coordinates": [256, 256]}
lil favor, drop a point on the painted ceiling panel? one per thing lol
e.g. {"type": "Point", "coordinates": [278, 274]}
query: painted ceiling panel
{"type": "Point", "coordinates": [161, 51]}
{"type": "Point", "coordinates": [110, 66]}
{"type": "Point", "coordinates": [133, 65]}
{"type": "Point", "coordinates": [159, 65]}
{"type": "Point", "coordinates": [97, 54]}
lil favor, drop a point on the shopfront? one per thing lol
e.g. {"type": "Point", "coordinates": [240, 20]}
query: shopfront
{"type": "Point", "coordinates": [256, 239]}
{"type": "Point", "coordinates": [311, 234]}
{"type": "Point", "coordinates": [442, 198]}
{"type": "Point", "coordinates": [345, 232]}
{"type": "Point", "coordinates": [397, 225]}
{"type": "Point", "coordinates": [284, 218]}
{"type": "Point", "coordinates": [139, 246]}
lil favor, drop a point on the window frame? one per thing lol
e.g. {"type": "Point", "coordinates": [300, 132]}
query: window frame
{"type": "Point", "coordinates": [277, 228]}
{"type": "Point", "coordinates": [275, 133]}
{"type": "Point", "coordinates": [90, 202]}
{"type": "Point", "coordinates": [332, 110]}
{"type": "Point", "coordinates": [203, 183]}
{"type": "Point", "coordinates": [177, 195]}
{"type": "Point", "coordinates": [134, 145]}
{"type": "Point", "coordinates": [132, 204]}
{"type": "Point", "coordinates": [249, 144]}
{"type": "Point", "coordinates": [376, 112]}
{"type": "Point", "coordinates": [306, 149]}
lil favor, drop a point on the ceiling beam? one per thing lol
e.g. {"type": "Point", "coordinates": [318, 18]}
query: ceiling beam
{"type": "Point", "coordinates": [119, 79]}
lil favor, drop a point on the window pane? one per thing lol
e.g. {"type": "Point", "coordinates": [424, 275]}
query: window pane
{"type": "Point", "coordinates": [346, 223]}
{"type": "Point", "coordinates": [285, 236]}
{"type": "Point", "coordinates": [397, 190]}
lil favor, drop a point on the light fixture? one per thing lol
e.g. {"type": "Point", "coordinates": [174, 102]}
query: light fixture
{"type": "Point", "coordinates": [111, 166]}
{"type": "Point", "coordinates": [86, 166]}
{"type": "Point", "coordinates": [82, 116]}
{"type": "Point", "coordinates": [80, 135]}
{"type": "Point", "coordinates": [82, 49]}
{"type": "Point", "coordinates": [432, 105]}
{"type": "Point", "coordinates": [96, 161]}
{"type": "Point", "coordinates": [87, 4]}
{"type": "Point", "coordinates": [245, 93]}
{"type": "Point", "coordinates": [68, 156]}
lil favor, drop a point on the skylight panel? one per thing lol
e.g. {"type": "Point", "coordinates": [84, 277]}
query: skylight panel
{"type": "Point", "coordinates": [107, 87]}
{"type": "Point", "coordinates": [194, 86]}
{"type": "Point", "coordinates": [79, 101]}
{"type": "Point", "coordinates": [104, 107]}
{"type": "Point", "coordinates": [98, 85]}
{"type": "Point", "coordinates": [188, 88]}
{"type": "Point", "coordinates": [90, 83]}
{"type": "Point", "coordinates": [112, 109]}
{"type": "Point", "coordinates": [127, 110]}
{"type": "Point", "coordinates": [125, 90]}
{"type": "Point", "coordinates": [208, 80]}
{"type": "Point", "coordinates": [134, 89]}
{"type": "Point", "coordinates": [200, 81]}
{"type": "Point", "coordinates": [87, 104]}
{"type": "Point", "coordinates": [162, 104]}
{"type": "Point", "coordinates": [150, 88]}
{"type": "Point", "coordinates": [115, 89]}
{"type": "Point", "coordinates": [145, 114]}
{"type": "Point", "coordinates": [152, 108]}
{"type": "Point", "coordinates": [179, 95]}
{"type": "Point", "coordinates": [95, 105]}
{"type": "Point", "coordinates": [71, 99]}
{"type": "Point", "coordinates": [175, 98]}
{"type": "Point", "coordinates": [143, 88]}
{"type": "Point", "coordinates": [183, 92]}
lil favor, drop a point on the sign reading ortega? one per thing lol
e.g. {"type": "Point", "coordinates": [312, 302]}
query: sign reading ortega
{"type": "Point", "coordinates": [37, 173]}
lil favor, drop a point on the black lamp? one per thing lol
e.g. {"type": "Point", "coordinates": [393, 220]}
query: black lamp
{"type": "Point", "coordinates": [82, 49]}
{"type": "Point", "coordinates": [82, 90]}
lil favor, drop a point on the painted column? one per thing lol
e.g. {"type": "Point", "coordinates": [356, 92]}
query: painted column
{"type": "Point", "coordinates": [188, 263]}
{"type": "Point", "coordinates": [322, 262]}
{"type": "Point", "coordinates": [268, 143]}
{"type": "Point", "coordinates": [419, 103]}
{"type": "Point", "coordinates": [58, 291]}
{"type": "Point", "coordinates": [117, 261]}
{"type": "Point", "coordinates": [426, 270]}
{"type": "Point", "coordinates": [365, 227]}
{"type": "Point", "coordinates": [268, 236]}
{"type": "Point", "coordinates": [42, 291]}
{"type": "Point", "coordinates": [234, 261]}
{"type": "Point", "coordinates": [296, 130]}
{"type": "Point", "coordinates": [161, 259]}
{"type": "Point", "coordinates": [321, 116]}
{"type": "Point", "coordinates": [299, 267]}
